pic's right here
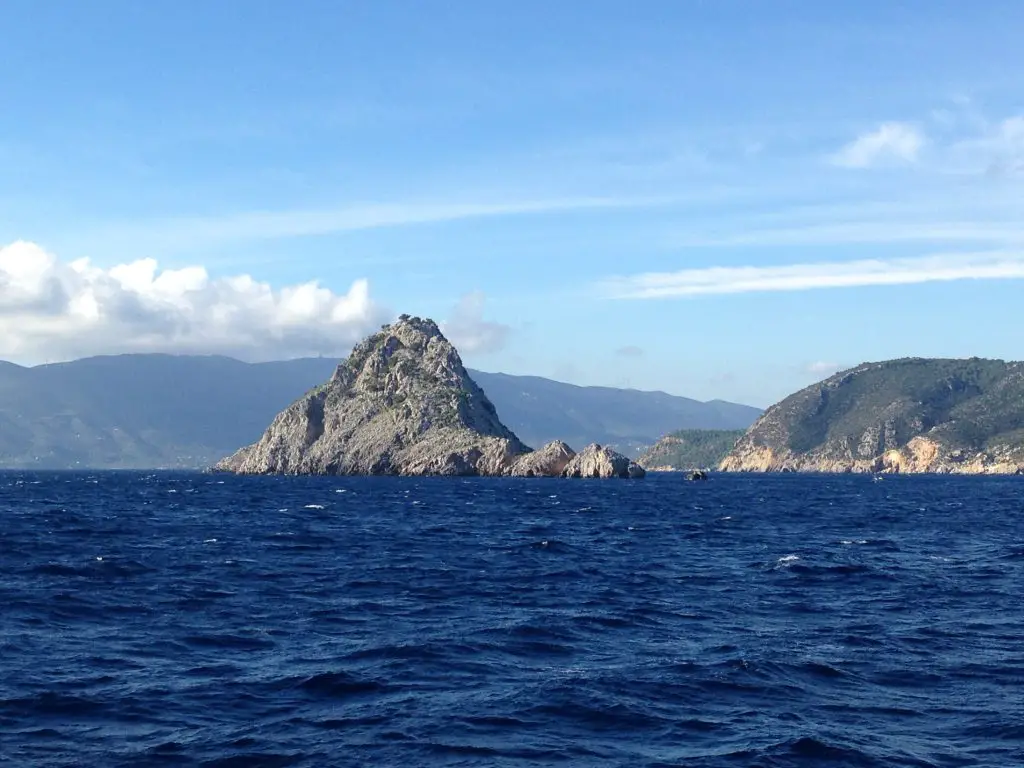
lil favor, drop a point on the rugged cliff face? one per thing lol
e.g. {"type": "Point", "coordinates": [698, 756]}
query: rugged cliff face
{"type": "Point", "coordinates": [549, 461]}
{"type": "Point", "coordinates": [600, 461]}
{"type": "Point", "coordinates": [401, 404]}
{"type": "Point", "coordinates": [907, 415]}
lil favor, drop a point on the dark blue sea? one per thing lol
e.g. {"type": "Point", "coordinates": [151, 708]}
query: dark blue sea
{"type": "Point", "coordinates": [205, 620]}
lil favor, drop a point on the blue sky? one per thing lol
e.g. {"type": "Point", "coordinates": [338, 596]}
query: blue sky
{"type": "Point", "coordinates": [715, 199]}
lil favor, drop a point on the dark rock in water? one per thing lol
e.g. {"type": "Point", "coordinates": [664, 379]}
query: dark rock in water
{"type": "Point", "coordinates": [403, 404]}
{"type": "Point", "coordinates": [601, 461]}
{"type": "Point", "coordinates": [697, 474]}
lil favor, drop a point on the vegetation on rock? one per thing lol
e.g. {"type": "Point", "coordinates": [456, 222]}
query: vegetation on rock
{"type": "Point", "coordinates": [906, 415]}
{"type": "Point", "coordinates": [690, 449]}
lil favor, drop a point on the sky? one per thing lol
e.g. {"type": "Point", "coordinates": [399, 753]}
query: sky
{"type": "Point", "coordinates": [717, 199]}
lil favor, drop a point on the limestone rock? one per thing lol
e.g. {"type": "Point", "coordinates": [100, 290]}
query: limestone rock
{"type": "Point", "coordinates": [401, 404]}
{"type": "Point", "coordinates": [600, 461]}
{"type": "Point", "coordinates": [549, 461]}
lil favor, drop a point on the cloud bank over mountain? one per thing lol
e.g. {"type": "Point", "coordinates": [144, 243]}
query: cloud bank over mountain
{"type": "Point", "coordinates": [52, 309]}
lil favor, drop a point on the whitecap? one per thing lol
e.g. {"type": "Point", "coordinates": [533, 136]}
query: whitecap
{"type": "Point", "coordinates": [315, 506]}
{"type": "Point", "coordinates": [787, 560]}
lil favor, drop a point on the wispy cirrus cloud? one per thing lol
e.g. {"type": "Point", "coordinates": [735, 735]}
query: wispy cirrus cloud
{"type": "Point", "coordinates": [997, 150]}
{"type": "Point", "coordinates": [959, 141]}
{"type": "Point", "coordinates": [211, 231]}
{"type": "Point", "coordinates": [863, 232]}
{"type": "Point", "coordinates": [889, 142]}
{"type": "Point", "coordinates": [812, 276]}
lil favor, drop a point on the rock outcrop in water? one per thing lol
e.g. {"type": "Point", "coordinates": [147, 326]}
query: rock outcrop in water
{"type": "Point", "coordinates": [549, 461]}
{"type": "Point", "coordinates": [600, 461]}
{"type": "Point", "coordinates": [402, 404]}
{"type": "Point", "coordinates": [900, 416]}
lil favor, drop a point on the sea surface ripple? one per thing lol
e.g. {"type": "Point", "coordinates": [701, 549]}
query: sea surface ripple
{"type": "Point", "coordinates": [204, 620]}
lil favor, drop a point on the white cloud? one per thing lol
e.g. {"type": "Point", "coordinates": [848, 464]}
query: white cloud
{"type": "Point", "coordinates": [890, 141]}
{"type": "Point", "coordinates": [961, 141]}
{"type": "Point", "coordinates": [997, 150]}
{"type": "Point", "coordinates": [469, 332]}
{"type": "Point", "coordinates": [55, 310]}
{"type": "Point", "coordinates": [802, 277]}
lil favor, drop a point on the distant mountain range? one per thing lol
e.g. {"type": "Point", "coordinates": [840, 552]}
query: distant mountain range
{"type": "Point", "coordinates": [540, 410]}
{"type": "Point", "coordinates": [166, 411]}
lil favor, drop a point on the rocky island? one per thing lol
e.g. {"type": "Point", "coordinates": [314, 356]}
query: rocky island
{"type": "Point", "coordinates": [962, 416]}
{"type": "Point", "coordinates": [403, 404]}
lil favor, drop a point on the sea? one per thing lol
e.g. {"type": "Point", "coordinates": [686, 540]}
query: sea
{"type": "Point", "coordinates": [174, 619]}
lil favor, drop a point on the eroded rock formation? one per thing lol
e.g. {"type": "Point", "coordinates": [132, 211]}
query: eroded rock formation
{"type": "Point", "coordinates": [403, 404]}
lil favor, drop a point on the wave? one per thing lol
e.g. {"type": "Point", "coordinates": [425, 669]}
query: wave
{"type": "Point", "coordinates": [779, 622]}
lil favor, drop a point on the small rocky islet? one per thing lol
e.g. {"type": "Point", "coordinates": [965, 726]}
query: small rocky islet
{"type": "Point", "coordinates": [402, 403]}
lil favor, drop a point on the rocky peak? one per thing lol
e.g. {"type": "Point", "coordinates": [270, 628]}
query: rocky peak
{"type": "Point", "coordinates": [402, 403]}
{"type": "Point", "coordinates": [410, 348]}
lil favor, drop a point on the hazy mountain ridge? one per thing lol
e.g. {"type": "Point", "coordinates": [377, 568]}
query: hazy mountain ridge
{"type": "Point", "coordinates": [629, 419]}
{"type": "Point", "coordinates": [141, 411]}
{"type": "Point", "coordinates": [167, 411]}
